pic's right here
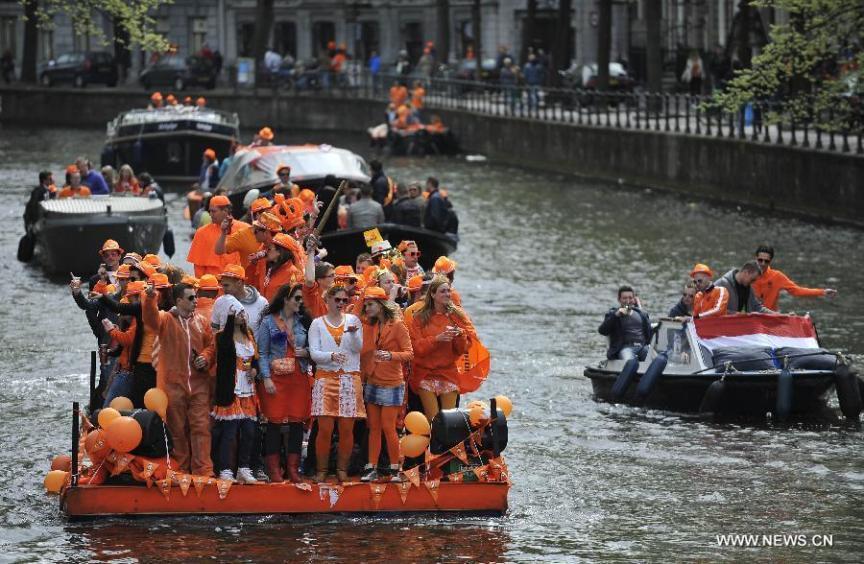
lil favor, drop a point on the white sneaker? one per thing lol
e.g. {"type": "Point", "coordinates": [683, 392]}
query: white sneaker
{"type": "Point", "coordinates": [245, 476]}
{"type": "Point", "coordinates": [226, 474]}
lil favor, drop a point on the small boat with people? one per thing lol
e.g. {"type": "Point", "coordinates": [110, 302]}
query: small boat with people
{"type": "Point", "coordinates": [732, 365]}
{"type": "Point", "coordinates": [168, 141]}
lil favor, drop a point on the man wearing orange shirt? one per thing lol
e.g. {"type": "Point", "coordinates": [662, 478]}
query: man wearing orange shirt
{"type": "Point", "coordinates": [710, 300]}
{"type": "Point", "coordinates": [318, 278]}
{"type": "Point", "coordinates": [75, 189]}
{"type": "Point", "coordinates": [202, 252]}
{"type": "Point", "coordinates": [250, 244]}
{"type": "Point", "coordinates": [768, 286]}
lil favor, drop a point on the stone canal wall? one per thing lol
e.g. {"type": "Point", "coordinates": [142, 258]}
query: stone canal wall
{"type": "Point", "coordinates": [816, 184]}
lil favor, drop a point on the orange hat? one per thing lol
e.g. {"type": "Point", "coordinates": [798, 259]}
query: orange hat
{"type": "Point", "coordinates": [287, 242]}
{"type": "Point", "coordinates": [160, 280]}
{"type": "Point", "coordinates": [152, 260]}
{"type": "Point", "coordinates": [134, 256]}
{"type": "Point", "coordinates": [415, 283]}
{"type": "Point", "coordinates": [111, 245]}
{"type": "Point", "coordinates": [219, 202]}
{"type": "Point", "coordinates": [306, 195]}
{"type": "Point", "coordinates": [266, 133]}
{"type": "Point", "coordinates": [71, 169]}
{"type": "Point", "coordinates": [375, 293]}
{"type": "Point", "coordinates": [344, 272]}
{"type": "Point", "coordinates": [210, 154]}
{"type": "Point", "coordinates": [146, 268]}
{"type": "Point", "coordinates": [405, 245]}
{"type": "Point", "coordinates": [233, 271]}
{"type": "Point", "coordinates": [444, 265]}
{"type": "Point", "coordinates": [156, 96]}
{"type": "Point", "coordinates": [122, 272]}
{"type": "Point", "coordinates": [701, 269]}
{"type": "Point", "coordinates": [291, 213]}
{"type": "Point", "coordinates": [189, 281]}
{"type": "Point", "coordinates": [135, 288]}
{"type": "Point", "coordinates": [208, 282]}
{"type": "Point", "coordinates": [201, 102]}
{"type": "Point", "coordinates": [259, 205]}
{"type": "Point", "coordinates": [269, 222]}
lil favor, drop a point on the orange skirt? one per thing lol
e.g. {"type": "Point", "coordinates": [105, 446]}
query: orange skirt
{"type": "Point", "coordinates": [292, 401]}
{"type": "Point", "coordinates": [338, 396]}
{"type": "Point", "coordinates": [242, 408]}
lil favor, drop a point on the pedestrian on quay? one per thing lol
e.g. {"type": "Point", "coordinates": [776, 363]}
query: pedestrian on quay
{"type": "Point", "coordinates": [693, 73]}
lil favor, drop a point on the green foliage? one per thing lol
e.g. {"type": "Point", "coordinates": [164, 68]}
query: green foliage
{"type": "Point", "coordinates": [130, 15]}
{"type": "Point", "coordinates": [812, 67]}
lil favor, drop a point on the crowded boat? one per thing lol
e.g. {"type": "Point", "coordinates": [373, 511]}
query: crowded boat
{"type": "Point", "coordinates": [725, 349]}
{"type": "Point", "coordinates": [317, 386]}
{"type": "Point", "coordinates": [408, 128]}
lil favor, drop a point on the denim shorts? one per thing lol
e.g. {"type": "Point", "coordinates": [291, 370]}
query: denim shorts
{"type": "Point", "coordinates": [384, 396]}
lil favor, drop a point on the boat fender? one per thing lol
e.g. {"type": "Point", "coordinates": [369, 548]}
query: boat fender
{"type": "Point", "coordinates": [26, 247]}
{"type": "Point", "coordinates": [168, 242]}
{"type": "Point", "coordinates": [651, 376]}
{"type": "Point", "coordinates": [713, 398]}
{"type": "Point", "coordinates": [846, 382]}
{"type": "Point", "coordinates": [625, 377]}
{"type": "Point", "coordinates": [784, 395]}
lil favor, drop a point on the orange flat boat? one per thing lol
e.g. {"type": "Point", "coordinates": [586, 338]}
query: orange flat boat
{"type": "Point", "coordinates": [84, 501]}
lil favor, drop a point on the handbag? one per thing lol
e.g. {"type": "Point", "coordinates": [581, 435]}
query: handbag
{"type": "Point", "coordinates": [286, 364]}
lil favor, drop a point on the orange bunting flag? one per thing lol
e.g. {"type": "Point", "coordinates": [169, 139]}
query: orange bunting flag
{"type": "Point", "coordinates": [200, 482]}
{"type": "Point", "coordinates": [459, 452]}
{"type": "Point", "coordinates": [404, 488]}
{"type": "Point", "coordinates": [222, 486]}
{"type": "Point", "coordinates": [413, 476]}
{"type": "Point", "coordinates": [482, 472]}
{"type": "Point", "coordinates": [185, 481]}
{"type": "Point", "coordinates": [306, 487]}
{"type": "Point", "coordinates": [432, 486]}
{"type": "Point", "coordinates": [165, 487]}
{"type": "Point", "coordinates": [377, 492]}
{"type": "Point", "coordinates": [149, 468]}
{"type": "Point", "coordinates": [122, 463]}
{"type": "Point", "coordinates": [149, 483]}
{"type": "Point", "coordinates": [456, 477]}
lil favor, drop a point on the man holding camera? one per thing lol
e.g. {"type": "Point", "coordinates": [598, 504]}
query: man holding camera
{"type": "Point", "coordinates": [627, 326]}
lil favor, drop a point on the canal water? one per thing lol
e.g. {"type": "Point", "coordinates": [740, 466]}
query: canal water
{"type": "Point", "coordinates": [540, 259]}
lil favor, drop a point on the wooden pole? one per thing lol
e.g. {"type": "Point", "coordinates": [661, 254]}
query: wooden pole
{"type": "Point", "coordinates": [93, 364]}
{"type": "Point", "coordinates": [326, 215]}
{"type": "Point", "coordinates": [76, 418]}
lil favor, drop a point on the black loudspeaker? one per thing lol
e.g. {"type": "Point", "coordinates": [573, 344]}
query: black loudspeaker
{"type": "Point", "coordinates": [452, 426]}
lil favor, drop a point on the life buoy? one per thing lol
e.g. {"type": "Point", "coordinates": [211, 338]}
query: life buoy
{"type": "Point", "coordinates": [625, 377]}
{"type": "Point", "coordinates": [651, 376]}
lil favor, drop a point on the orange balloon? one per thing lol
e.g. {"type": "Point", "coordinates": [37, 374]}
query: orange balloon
{"type": "Point", "coordinates": [106, 416]}
{"type": "Point", "coordinates": [54, 480]}
{"type": "Point", "coordinates": [417, 423]}
{"type": "Point", "coordinates": [504, 404]}
{"type": "Point", "coordinates": [476, 414]}
{"type": "Point", "coordinates": [62, 462]}
{"type": "Point", "coordinates": [123, 434]}
{"type": "Point", "coordinates": [156, 400]}
{"type": "Point", "coordinates": [413, 445]}
{"type": "Point", "coordinates": [121, 403]}
{"type": "Point", "coordinates": [96, 445]}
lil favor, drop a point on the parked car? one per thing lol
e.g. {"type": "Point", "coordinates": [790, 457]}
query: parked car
{"type": "Point", "coordinates": [179, 73]}
{"type": "Point", "coordinates": [619, 80]}
{"type": "Point", "coordinates": [80, 69]}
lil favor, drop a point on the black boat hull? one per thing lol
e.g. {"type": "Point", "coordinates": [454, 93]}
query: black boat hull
{"type": "Point", "coordinates": [170, 158]}
{"type": "Point", "coordinates": [344, 246]}
{"type": "Point", "coordinates": [745, 394]}
{"type": "Point", "coordinates": [67, 245]}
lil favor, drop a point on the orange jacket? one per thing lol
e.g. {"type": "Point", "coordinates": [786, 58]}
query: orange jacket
{"type": "Point", "coordinates": [179, 340]}
{"type": "Point", "coordinates": [285, 274]}
{"type": "Point", "coordinates": [244, 243]}
{"type": "Point", "coordinates": [769, 285]}
{"type": "Point", "coordinates": [711, 302]}
{"type": "Point", "coordinates": [435, 358]}
{"type": "Point", "coordinates": [67, 192]}
{"type": "Point", "coordinates": [392, 336]}
{"type": "Point", "coordinates": [202, 252]}
{"type": "Point", "coordinates": [125, 339]}
{"type": "Point", "coordinates": [204, 307]}
{"type": "Point", "coordinates": [313, 300]}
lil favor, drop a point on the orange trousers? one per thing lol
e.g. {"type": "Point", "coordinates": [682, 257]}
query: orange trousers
{"type": "Point", "coordinates": [189, 423]}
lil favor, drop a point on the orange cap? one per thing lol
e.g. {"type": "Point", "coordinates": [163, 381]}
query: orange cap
{"type": "Point", "coordinates": [219, 201]}
{"type": "Point", "coordinates": [701, 269]}
{"type": "Point", "coordinates": [266, 133]}
{"type": "Point", "coordinates": [444, 265]}
{"type": "Point", "coordinates": [201, 102]}
{"type": "Point", "coordinates": [269, 222]}
{"type": "Point", "coordinates": [208, 282]}
{"type": "Point", "coordinates": [111, 245]}
{"type": "Point", "coordinates": [189, 281]}
{"type": "Point", "coordinates": [135, 288]}
{"type": "Point", "coordinates": [259, 205]}
{"type": "Point", "coordinates": [287, 242]}
{"type": "Point", "coordinates": [233, 271]}
{"type": "Point", "coordinates": [210, 154]}
{"type": "Point", "coordinates": [160, 280]}
{"type": "Point", "coordinates": [156, 96]}
{"type": "Point", "coordinates": [415, 283]}
{"type": "Point", "coordinates": [375, 293]}
{"type": "Point", "coordinates": [344, 271]}
{"type": "Point", "coordinates": [122, 272]}
{"type": "Point", "coordinates": [152, 260]}
{"type": "Point", "coordinates": [146, 268]}
{"type": "Point", "coordinates": [71, 169]}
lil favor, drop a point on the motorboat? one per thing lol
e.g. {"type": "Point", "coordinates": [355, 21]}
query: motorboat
{"type": "Point", "coordinates": [69, 231]}
{"type": "Point", "coordinates": [748, 365]}
{"type": "Point", "coordinates": [169, 142]}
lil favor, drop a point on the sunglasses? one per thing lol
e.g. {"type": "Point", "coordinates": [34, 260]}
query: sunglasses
{"type": "Point", "coordinates": [298, 298]}
{"type": "Point", "coordinates": [191, 298]}
{"type": "Point", "coordinates": [413, 254]}
{"type": "Point", "coordinates": [341, 300]}
{"type": "Point", "coordinates": [766, 261]}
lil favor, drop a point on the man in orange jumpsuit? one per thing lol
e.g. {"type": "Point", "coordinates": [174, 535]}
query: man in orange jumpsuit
{"type": "Point", "coordinates": [768, 286]}
{"type": "Point", "coordinates": [710, 300]}
{"type": "Point", "coordinates": [208, 291]}
{"type": "Point", "coordinates": [186, 350]}
{"type": "Point", "coordinates": [250, 244]}
{"type": "Point", "coordinates": [202, 254]}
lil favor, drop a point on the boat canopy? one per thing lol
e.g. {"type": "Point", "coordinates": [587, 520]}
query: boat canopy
{"type": "Point", "coordinates": [100, 205]}
{"type": "Point", "coordinates": [255, 167]}
{"type": "Point", "coordinates": [144, 117]}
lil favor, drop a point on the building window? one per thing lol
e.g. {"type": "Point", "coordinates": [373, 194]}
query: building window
{"type": "Point", "coordinates": [412, 36]}
{"type": "Point", "coordinates": [285, 38]}
{"type": "Point", "coordinates": [322, 34]}
{"type": "Point", "coordinates": [7, 35]}
{"type": "Point", "coordinates": [368, 41]}
{"type": "Point", "coordinates": [198, 34]}
{"type": "Point", "coordinates": [245, 34]}
{"type": "Point", "coordinates": [81, 41]}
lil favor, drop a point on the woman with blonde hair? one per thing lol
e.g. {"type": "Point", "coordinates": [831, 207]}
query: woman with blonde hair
{"type": "Point", "coordinates": [126, 181]}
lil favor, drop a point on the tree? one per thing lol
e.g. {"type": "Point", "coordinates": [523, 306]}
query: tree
{"type": "Point", "coordinates": [263, 27]}
{"type": "Point", "coordinates": [132, 17]}
{"type": "Point", "coordinates": [653, 54]}
{"type": "Point", "coordinates": [604, 44]}
{"type": "Point", "coordinates": [811, 70]}
{"type": "Point", "coordinates": [443, 37]}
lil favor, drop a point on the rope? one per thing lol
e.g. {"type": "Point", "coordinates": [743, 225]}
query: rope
{"type": "Point", "coordinates": [785, 358]}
